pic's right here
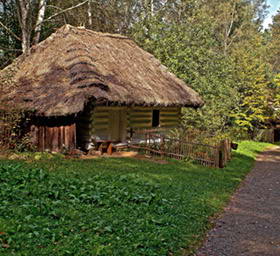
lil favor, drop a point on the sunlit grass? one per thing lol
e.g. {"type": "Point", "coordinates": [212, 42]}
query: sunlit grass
{"type": "Point", "coordinates": [112, 206]}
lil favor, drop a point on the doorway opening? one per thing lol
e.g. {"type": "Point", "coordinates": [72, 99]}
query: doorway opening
{"type": "Point", "coordinates": [277, 135]}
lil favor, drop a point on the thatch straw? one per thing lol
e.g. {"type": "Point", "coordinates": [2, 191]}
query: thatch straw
{"type": "Point", "coordinates": [74, 66]}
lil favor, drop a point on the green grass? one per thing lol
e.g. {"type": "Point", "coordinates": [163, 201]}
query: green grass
{"type": "Point", "coordinates": [112, 206]}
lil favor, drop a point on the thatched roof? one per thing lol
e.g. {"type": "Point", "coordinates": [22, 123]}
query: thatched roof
{"type": "Point", "coordinates": [75, 65]}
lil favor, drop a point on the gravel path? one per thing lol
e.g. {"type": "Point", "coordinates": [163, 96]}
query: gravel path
{"type": "Point", "coordinates": [250, 225]}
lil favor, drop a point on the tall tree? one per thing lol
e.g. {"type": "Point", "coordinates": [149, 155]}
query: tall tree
{"type": "Point", "coordinates": [40, 19]}
{"type": "Point", "coordinates": [206, 44]}
{"type": "Point", "coordinates": [233, 18]}
{"type": "Point", "coordinates": [10, 40]}
{"type": "Point", "coordinates": [252, 81]}
{"type": "Point", "coordinates": [274, 44]}
{"type": "Point", "coordinates": [31, 17]}
{"type": "Point", "coordinates": [190, 51]}
{"type": "Point", "coordinates": [24, 15]}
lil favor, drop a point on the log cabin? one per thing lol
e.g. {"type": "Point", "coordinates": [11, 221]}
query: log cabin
{"type": "Point", "coordinates": [83, 85]}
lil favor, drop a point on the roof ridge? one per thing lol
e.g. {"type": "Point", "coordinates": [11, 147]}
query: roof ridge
{"type": "Point", "coordinates": [68, 27]}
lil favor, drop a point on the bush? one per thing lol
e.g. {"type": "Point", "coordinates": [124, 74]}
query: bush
{"type": "Point", "coordinates": [14, 128]}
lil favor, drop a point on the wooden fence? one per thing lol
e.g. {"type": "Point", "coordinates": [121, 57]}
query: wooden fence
{"type": "Point", "coordinates": [161, 145]}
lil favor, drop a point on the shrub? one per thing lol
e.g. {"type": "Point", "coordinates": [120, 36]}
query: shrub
{"type": "Point", "coordinates": [14, 130]}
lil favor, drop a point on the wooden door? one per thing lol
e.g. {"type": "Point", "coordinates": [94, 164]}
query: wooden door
{"type": "Point", "coordinates": [118, 124]}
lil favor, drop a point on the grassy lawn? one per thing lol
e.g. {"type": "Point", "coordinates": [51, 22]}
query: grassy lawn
{"type": "Point", "coordinates": [112, 206]}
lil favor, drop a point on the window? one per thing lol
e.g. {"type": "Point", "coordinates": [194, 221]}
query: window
{"type": "Point", "coordinates": [155, 120]}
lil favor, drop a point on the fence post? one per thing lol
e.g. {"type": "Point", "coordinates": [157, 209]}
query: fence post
{"type": "Point", "coordinates": [221, 156]}
{"type": "Point", "coordinates": [217, 157]}
{"type": "Point", "coordinates": [162, 145]}
{"type": "Point", "coordinates": [228, 143]}
{"type": "Point", "coordinates": [224, 152]}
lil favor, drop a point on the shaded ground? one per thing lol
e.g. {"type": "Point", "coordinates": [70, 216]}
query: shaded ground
{"type": "Point", "coordinates": [127, 154]}
{"type": "Point", "coordinates": [121, 154]}
{"type": "Point", "coordinates": [250, 225]}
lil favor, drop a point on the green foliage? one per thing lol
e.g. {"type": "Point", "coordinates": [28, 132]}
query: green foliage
{"type": "Point", "coordinates": [189, 50]}
{"type": "Point", "coordinates": [276, 97]}
{"type": "Point", "coordinates": [9, 46]}
{"type": "Point", "coordinates": [112, 206]}
{"type": "Point", "coordinates": [252, 83]}
{"type": "Point", "coordinates": [216, 48]}
{"type": "Point", "coordinates": [273, 46]}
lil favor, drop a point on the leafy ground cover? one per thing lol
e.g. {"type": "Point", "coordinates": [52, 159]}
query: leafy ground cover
{"type": "Point", "coordinates": [112, 206]}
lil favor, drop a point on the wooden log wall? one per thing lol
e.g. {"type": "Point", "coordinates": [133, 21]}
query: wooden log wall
{"type": "Point", "coordinates": [140, 118]}
{"type": "Point", "coordinates": [100, 121]}
{"type": "Point", "coordinates": [104, 122]}
{"type": "Point", "coordinates": [54, 139]}
{"type": "Point", "coordinates": [93, 122]}
{"type": "Point", "coordinates": [170, 117]}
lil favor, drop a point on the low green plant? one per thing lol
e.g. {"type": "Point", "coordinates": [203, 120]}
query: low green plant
{"type": "Point", "coordinates": [55, 206]}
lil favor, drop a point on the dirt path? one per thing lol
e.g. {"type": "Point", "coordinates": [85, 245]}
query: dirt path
{"type": "Point", "coordinates": [250, 225]}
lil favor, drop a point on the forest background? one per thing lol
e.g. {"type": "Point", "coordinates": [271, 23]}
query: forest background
{"type": "Point", "coordinates": [218, 47]}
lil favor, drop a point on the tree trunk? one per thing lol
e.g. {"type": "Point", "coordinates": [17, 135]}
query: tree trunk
{"type": "Point", "coordinates": [152, 8]}
{"type": "Point", "coordinates": [90, 14]}
{"type": "Point", "coordinates": [41, 15]}
{"type": "Point", "coordinates": [24, 6]}
{"type": "Point", "coordinates": [229, 28]}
